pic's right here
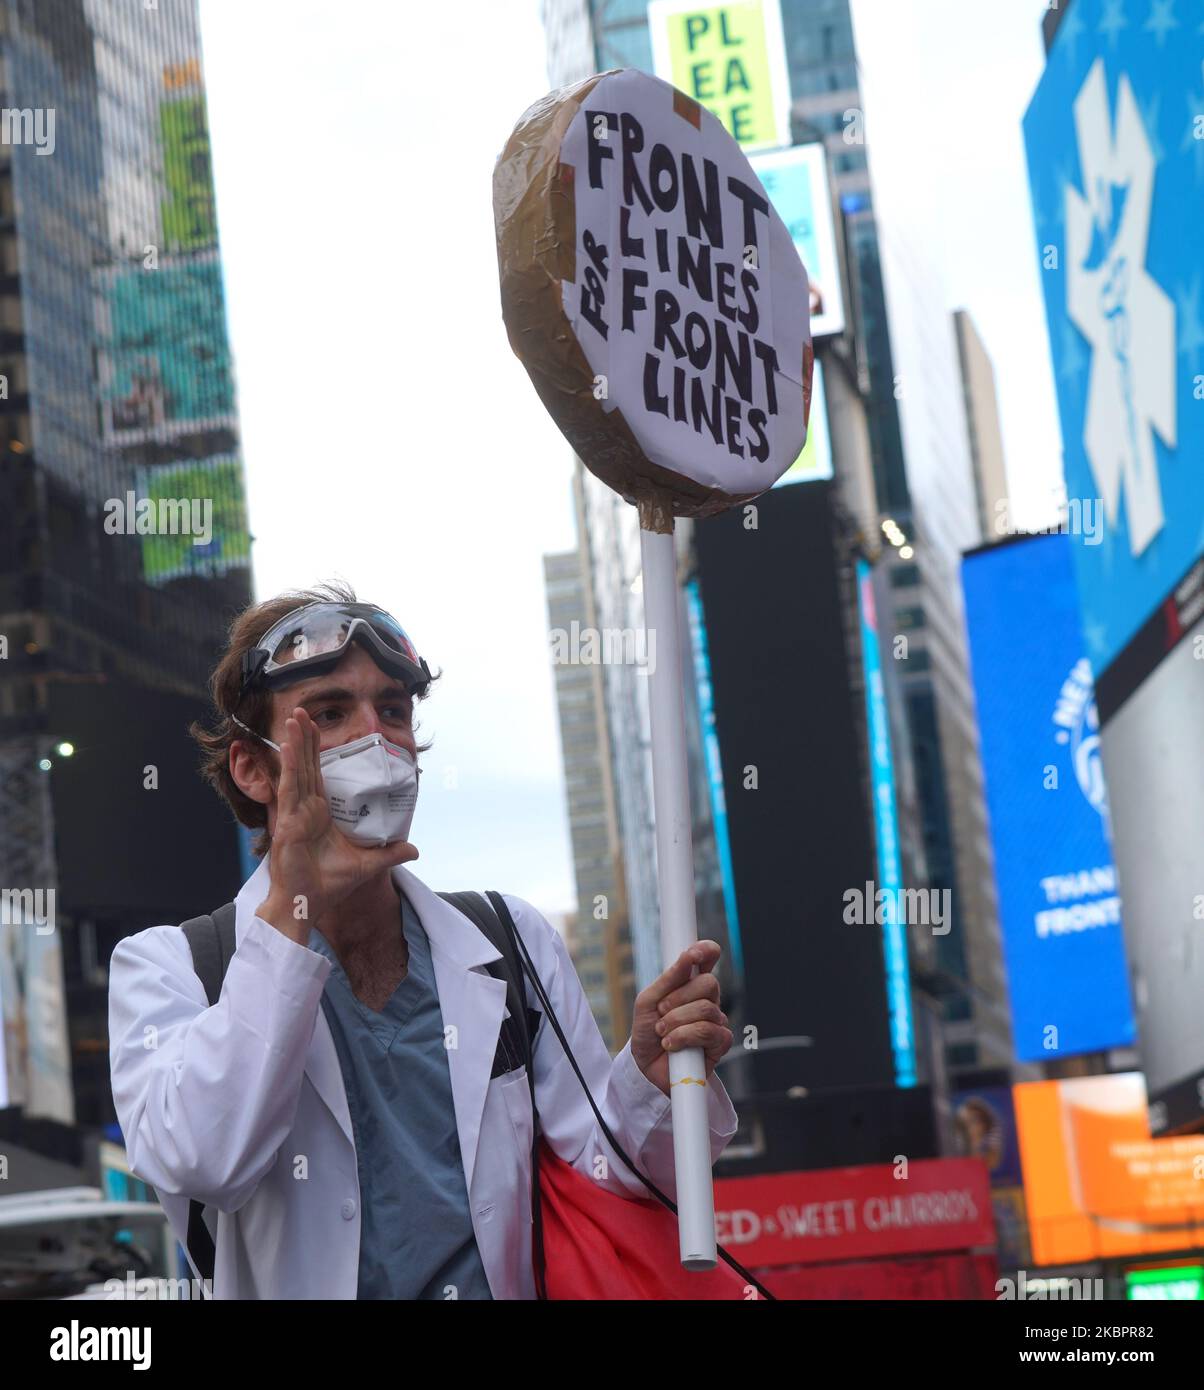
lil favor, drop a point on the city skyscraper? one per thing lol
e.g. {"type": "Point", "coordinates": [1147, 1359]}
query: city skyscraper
{"type": "Point", "coordinates": [122, 478]}
{"type": "Point", "coordinates": [600, 941]}
{"type": "Point", "coordinates": [609, 541]}
{"type": "Point", "coordinates": [982, 417]}
{"type": "Point", "coordinates": [898, 356]}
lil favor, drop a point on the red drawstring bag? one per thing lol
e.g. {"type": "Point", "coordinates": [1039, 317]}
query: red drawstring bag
{"type": "Point", "coordinates": [588, 1243]}
{"type": "Point", "coordinates": [598, 1245]}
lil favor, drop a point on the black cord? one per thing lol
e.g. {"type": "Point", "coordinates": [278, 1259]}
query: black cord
{"type": "Point", "coordinates": [614, 1143]}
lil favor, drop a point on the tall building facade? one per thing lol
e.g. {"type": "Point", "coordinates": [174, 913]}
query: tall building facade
{"type": "Point", "coordinates": [606, 746]}
{"type": "Point", "coordinates": [926, 486]}
{"type": "Point", "coordinates": [608, 537]}
{"type": "Point", "coordinates": [609, 545]}
{"type": "Point", "coordinates": [917, 487]}
{"type": "Point", "coordinates": [121, 474]}
{"type": "Point", "coordinates": [904, 346]}
{"type": "Point", "coordinates": [600, 939]}
{"type": "Point", "coordinates": [982, 417]}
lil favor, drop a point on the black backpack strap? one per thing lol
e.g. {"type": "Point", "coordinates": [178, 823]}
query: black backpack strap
{"type": "Point", "coordinates": [211, 940]}
{"type": "Point", "coordinates": [514, 964]}
{"type": "Point", "coordinates": [493, 919]}
{"type": "Point", "coordinates": [517, 1035]}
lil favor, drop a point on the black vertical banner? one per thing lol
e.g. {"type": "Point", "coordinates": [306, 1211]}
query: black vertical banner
{"type": "Point", "coordinates": [787, 718]}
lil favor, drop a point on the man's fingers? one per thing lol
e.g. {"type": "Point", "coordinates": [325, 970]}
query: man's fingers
{"type": "Point", "coordinates": [305, 752]}
{"type": "Point", "coordinates": [389, 856]}
{"type": "Point", "coordinates": [290, 757]}
{"type": "Point", "coordinates": [307, 739]}
{"type": "Point", "coordinates": [702, 954]}
{"type": "Point", "coordinates": [711, 1037]}
{"type": "Point", "coordinates": [286, 792]}
{"type": "Point", "coordinates": [700, 987]}
{"type": "Point", "coordinates": [708, 954]}
{"type": "Point", "coordinates": [699, 1011]}
{"type": "Point", "coordinates": [315, 757]}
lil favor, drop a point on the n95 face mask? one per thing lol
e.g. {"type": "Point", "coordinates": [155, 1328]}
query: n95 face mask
{"type": "Point", "coordinates": [371, 789]}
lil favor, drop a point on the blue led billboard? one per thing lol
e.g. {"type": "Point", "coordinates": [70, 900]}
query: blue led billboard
{"type": "Point", "coordinates": [886, 832]}
{"type": "Point", "coordinates": [1115, 141]}
{"type": "Point", "coordinates": [1059, 907]}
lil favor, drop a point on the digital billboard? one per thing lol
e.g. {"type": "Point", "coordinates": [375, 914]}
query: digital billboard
{"type": "Point", "coordinates": [1153, 752]}
{"type": "Point", "coordinates": [188, 212]}
{"type": "Point", "coordinates": [1096, 1183]}
{"type": "Point", "coordinates": [985, 1128]}
{"type": "Point", "coordinates": [1059, 906]}
{"type": "Point", "coordinates": [942, 1204]}
{"type": "Point", "coordinates": [985, 1125]}
{"type": "Point", "coordinates": [35, 1050]}
{"type": "Point", "coordinates": [1116, 166]}
{"type": "Point", "coordinates": [134, 757]}
{"type": "Point", "coordinates": [1166, 1284]}
{"type": "Point", "coordinates": [796, 180]}
{"type": "Point", "coordinates": [714, 767]}
{"type": "Point", "coordinates": [206, 497]}
{"type": "Point", "coordinates": [165, 364]}
{"type": "Point", "coordinates": [780, 623]}
{"type": "Point", "coordinates": [886, 826]}
{"type": "Point", "coordinates": [815, 461]}
{"type": "Point", "coordinates": [731, 58]}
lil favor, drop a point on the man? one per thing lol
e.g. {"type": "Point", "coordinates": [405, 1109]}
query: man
{"type": "Point", "coordinates": [335, 1110]}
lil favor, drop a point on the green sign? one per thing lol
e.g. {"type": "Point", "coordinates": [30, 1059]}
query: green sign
{"type": "Point", "coordinates": [731, 59]}
{"type": "Point", "coordinates": [1175, 1284]}
{"type": "Point", "coordinates": [189, 218]}
{"type": "Point", "coordinates": [192, 519]}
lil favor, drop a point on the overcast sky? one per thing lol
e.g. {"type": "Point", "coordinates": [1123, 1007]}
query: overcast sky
{"type": "Point", "coordinates": [391, 438]}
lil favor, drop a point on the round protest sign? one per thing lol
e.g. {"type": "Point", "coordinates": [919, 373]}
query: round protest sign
{"type": "Point", "coordinates": [654, 295]}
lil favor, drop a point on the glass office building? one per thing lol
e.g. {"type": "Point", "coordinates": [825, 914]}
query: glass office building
{"type": "Point", "coordinates": [928, 492]}
{"type": "Point", "coordinates": [121, 477]}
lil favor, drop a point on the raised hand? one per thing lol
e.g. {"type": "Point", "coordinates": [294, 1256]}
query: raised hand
{"type": "Point", "coordinates": [314, 866]}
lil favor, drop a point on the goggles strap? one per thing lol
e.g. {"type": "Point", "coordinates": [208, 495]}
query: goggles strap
{"type": "Point", "coordinates": [260, 737]}
{"type": "Point", "coordinates": [253, 662]}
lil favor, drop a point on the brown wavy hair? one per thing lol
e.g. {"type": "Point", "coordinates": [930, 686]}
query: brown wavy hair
{"type": "Point", "coordinates": [255, 711]}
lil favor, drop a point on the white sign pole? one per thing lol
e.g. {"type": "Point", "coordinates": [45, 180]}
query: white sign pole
{"type": "Point", "coordinates": [633, 234]}
{"type": "Point", "coordinates": [675, 874]}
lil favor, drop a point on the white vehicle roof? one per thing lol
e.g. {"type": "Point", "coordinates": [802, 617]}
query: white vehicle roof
{"type": "Point", "coordinates": [63, 1204]}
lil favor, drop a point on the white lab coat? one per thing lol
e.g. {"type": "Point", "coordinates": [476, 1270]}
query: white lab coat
{"type": "Point", "coordinates": [243, 1107]}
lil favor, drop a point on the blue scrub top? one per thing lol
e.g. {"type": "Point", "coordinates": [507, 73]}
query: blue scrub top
{"type": "Point", "coordinates": [416, 1236]}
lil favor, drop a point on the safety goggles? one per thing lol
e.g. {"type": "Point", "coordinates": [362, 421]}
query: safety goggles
{"type": "Point", "coordinates": [313, 639]}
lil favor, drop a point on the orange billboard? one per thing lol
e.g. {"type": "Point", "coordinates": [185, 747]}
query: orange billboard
{"type": "Point", "coordinates": [1096, 1184]}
